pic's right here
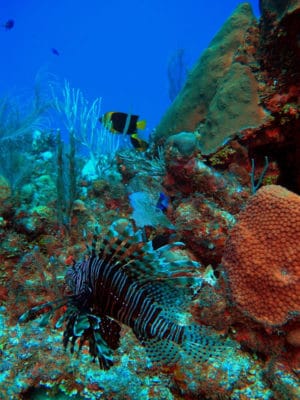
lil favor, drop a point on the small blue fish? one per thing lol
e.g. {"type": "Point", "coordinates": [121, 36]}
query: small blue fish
{"type": "Point", "coordinates": [55, 51]}
{"type": "Point", "coordinates": [163, 202]}
{"type": "Point", "coordinates": [9, 24]}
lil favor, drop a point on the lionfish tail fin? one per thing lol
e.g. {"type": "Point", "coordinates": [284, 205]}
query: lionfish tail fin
{"type": "Point", "coordinates": [197, 343]}
{"type": "Point", "coordinates": [201, 343]}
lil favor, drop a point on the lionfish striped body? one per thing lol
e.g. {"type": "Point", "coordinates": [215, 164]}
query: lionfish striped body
{"type": "Point", "coordinates": [123, 284]}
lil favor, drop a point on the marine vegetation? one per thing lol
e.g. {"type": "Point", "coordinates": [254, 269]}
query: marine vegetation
{"type": "Point", "coordinates": [20, 118]}
{"type": "Point", "coordinates": [80, 118]}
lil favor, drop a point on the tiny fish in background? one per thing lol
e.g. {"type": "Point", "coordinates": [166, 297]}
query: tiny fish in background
{"type": "Point", "coordinates": [9, 24]}
{"type": "Point", "coordinates": [123, 283]}
{"type": "Point", "coordinates": [177, 73]}
{"type": "Point", "coordinates": [55, 51]}
{"type": "Point", "coordinates": [163, 202]}
{"type": "Point", "coordinates": [119, 122]}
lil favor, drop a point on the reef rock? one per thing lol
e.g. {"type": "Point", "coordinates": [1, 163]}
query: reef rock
{"type": "Point", "coordinates": [279, 8]}
{"type": "Point", "coordinates": [193, 102]}
{"type": "Point", "coordinates": [242, 99]}
{"type": "Point", "coordinates": [234, 108]}
{"type": "Point", "coordinates": [5, 195]}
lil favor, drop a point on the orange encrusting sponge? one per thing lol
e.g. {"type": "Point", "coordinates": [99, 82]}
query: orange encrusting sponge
{"type": "Point", "coordinates": [262, 256]}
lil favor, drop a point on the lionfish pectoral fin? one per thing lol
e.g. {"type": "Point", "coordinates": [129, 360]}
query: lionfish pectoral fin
{"type": "Point", "coordinates": [110, 332]}
{"type": "Point", "coordinates": [49, 308]}
{"type": "Point", "coordinates": [61, 320]}
{"type": "Point", "coordinates": [45, 319]}
{"type": "Point", "coordinates": [97, 331]}
{"type": "Point", "coordinates": [99, 349]}
{"type": "Point", "coordinates": [81, 324]}
{"type": "Point", "coordinates": [104, 340]}
{"type": "Point", "coordinates": [78, 324]}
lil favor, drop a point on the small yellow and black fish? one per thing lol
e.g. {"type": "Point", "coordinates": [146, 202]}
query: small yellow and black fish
{"type": "Point", "coordinates": [119, 122]}
{"type": "Point", "coordinates": [138, 143]}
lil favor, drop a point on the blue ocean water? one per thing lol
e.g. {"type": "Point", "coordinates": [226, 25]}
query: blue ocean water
{"type": "Point", "coordinates": [117, 50]}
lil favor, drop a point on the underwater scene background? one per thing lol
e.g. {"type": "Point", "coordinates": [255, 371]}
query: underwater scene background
{"type": "Point", "coordinates": [149, 200]}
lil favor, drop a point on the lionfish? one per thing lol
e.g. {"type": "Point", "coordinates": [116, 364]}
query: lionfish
{"type": "Point", "coordinates": [126, 281]}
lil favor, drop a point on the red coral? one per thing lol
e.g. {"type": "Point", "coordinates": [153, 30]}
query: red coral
{"type": "Point", "coordinates": [262, 256]}
{"type": "Point", "coordinates": [3, 293]}
{"type": "Point", "coordinates": [273, 133]}
{"type": "Point", "coordinates": [276, 102]}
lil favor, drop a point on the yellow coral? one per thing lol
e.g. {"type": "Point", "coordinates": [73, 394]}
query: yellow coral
{"type": "Point", "coordinates": [221, 156]}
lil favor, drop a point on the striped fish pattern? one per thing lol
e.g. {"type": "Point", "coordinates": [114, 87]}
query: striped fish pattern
{"type": "Point", "coordinates": [126, 281]}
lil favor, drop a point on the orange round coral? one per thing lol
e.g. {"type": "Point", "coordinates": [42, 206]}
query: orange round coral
{"type": "Point", "coordinates": [262, 256]}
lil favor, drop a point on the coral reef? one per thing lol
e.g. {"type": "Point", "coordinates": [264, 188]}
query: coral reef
{"type": "Point", "coordinates": [243, 94]}
{"type": "Point", "coordinates": [225, 159]}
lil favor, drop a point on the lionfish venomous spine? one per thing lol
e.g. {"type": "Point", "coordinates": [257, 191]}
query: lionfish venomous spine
{"type": "Point", "coordinates": [126, 281]}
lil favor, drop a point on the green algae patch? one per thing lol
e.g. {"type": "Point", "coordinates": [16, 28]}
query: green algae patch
{"type": "Point", "coordinates": [235, 107]}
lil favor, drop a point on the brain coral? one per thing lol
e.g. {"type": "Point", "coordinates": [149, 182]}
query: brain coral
{"type": "Point", "coordinates": [262, 256]}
